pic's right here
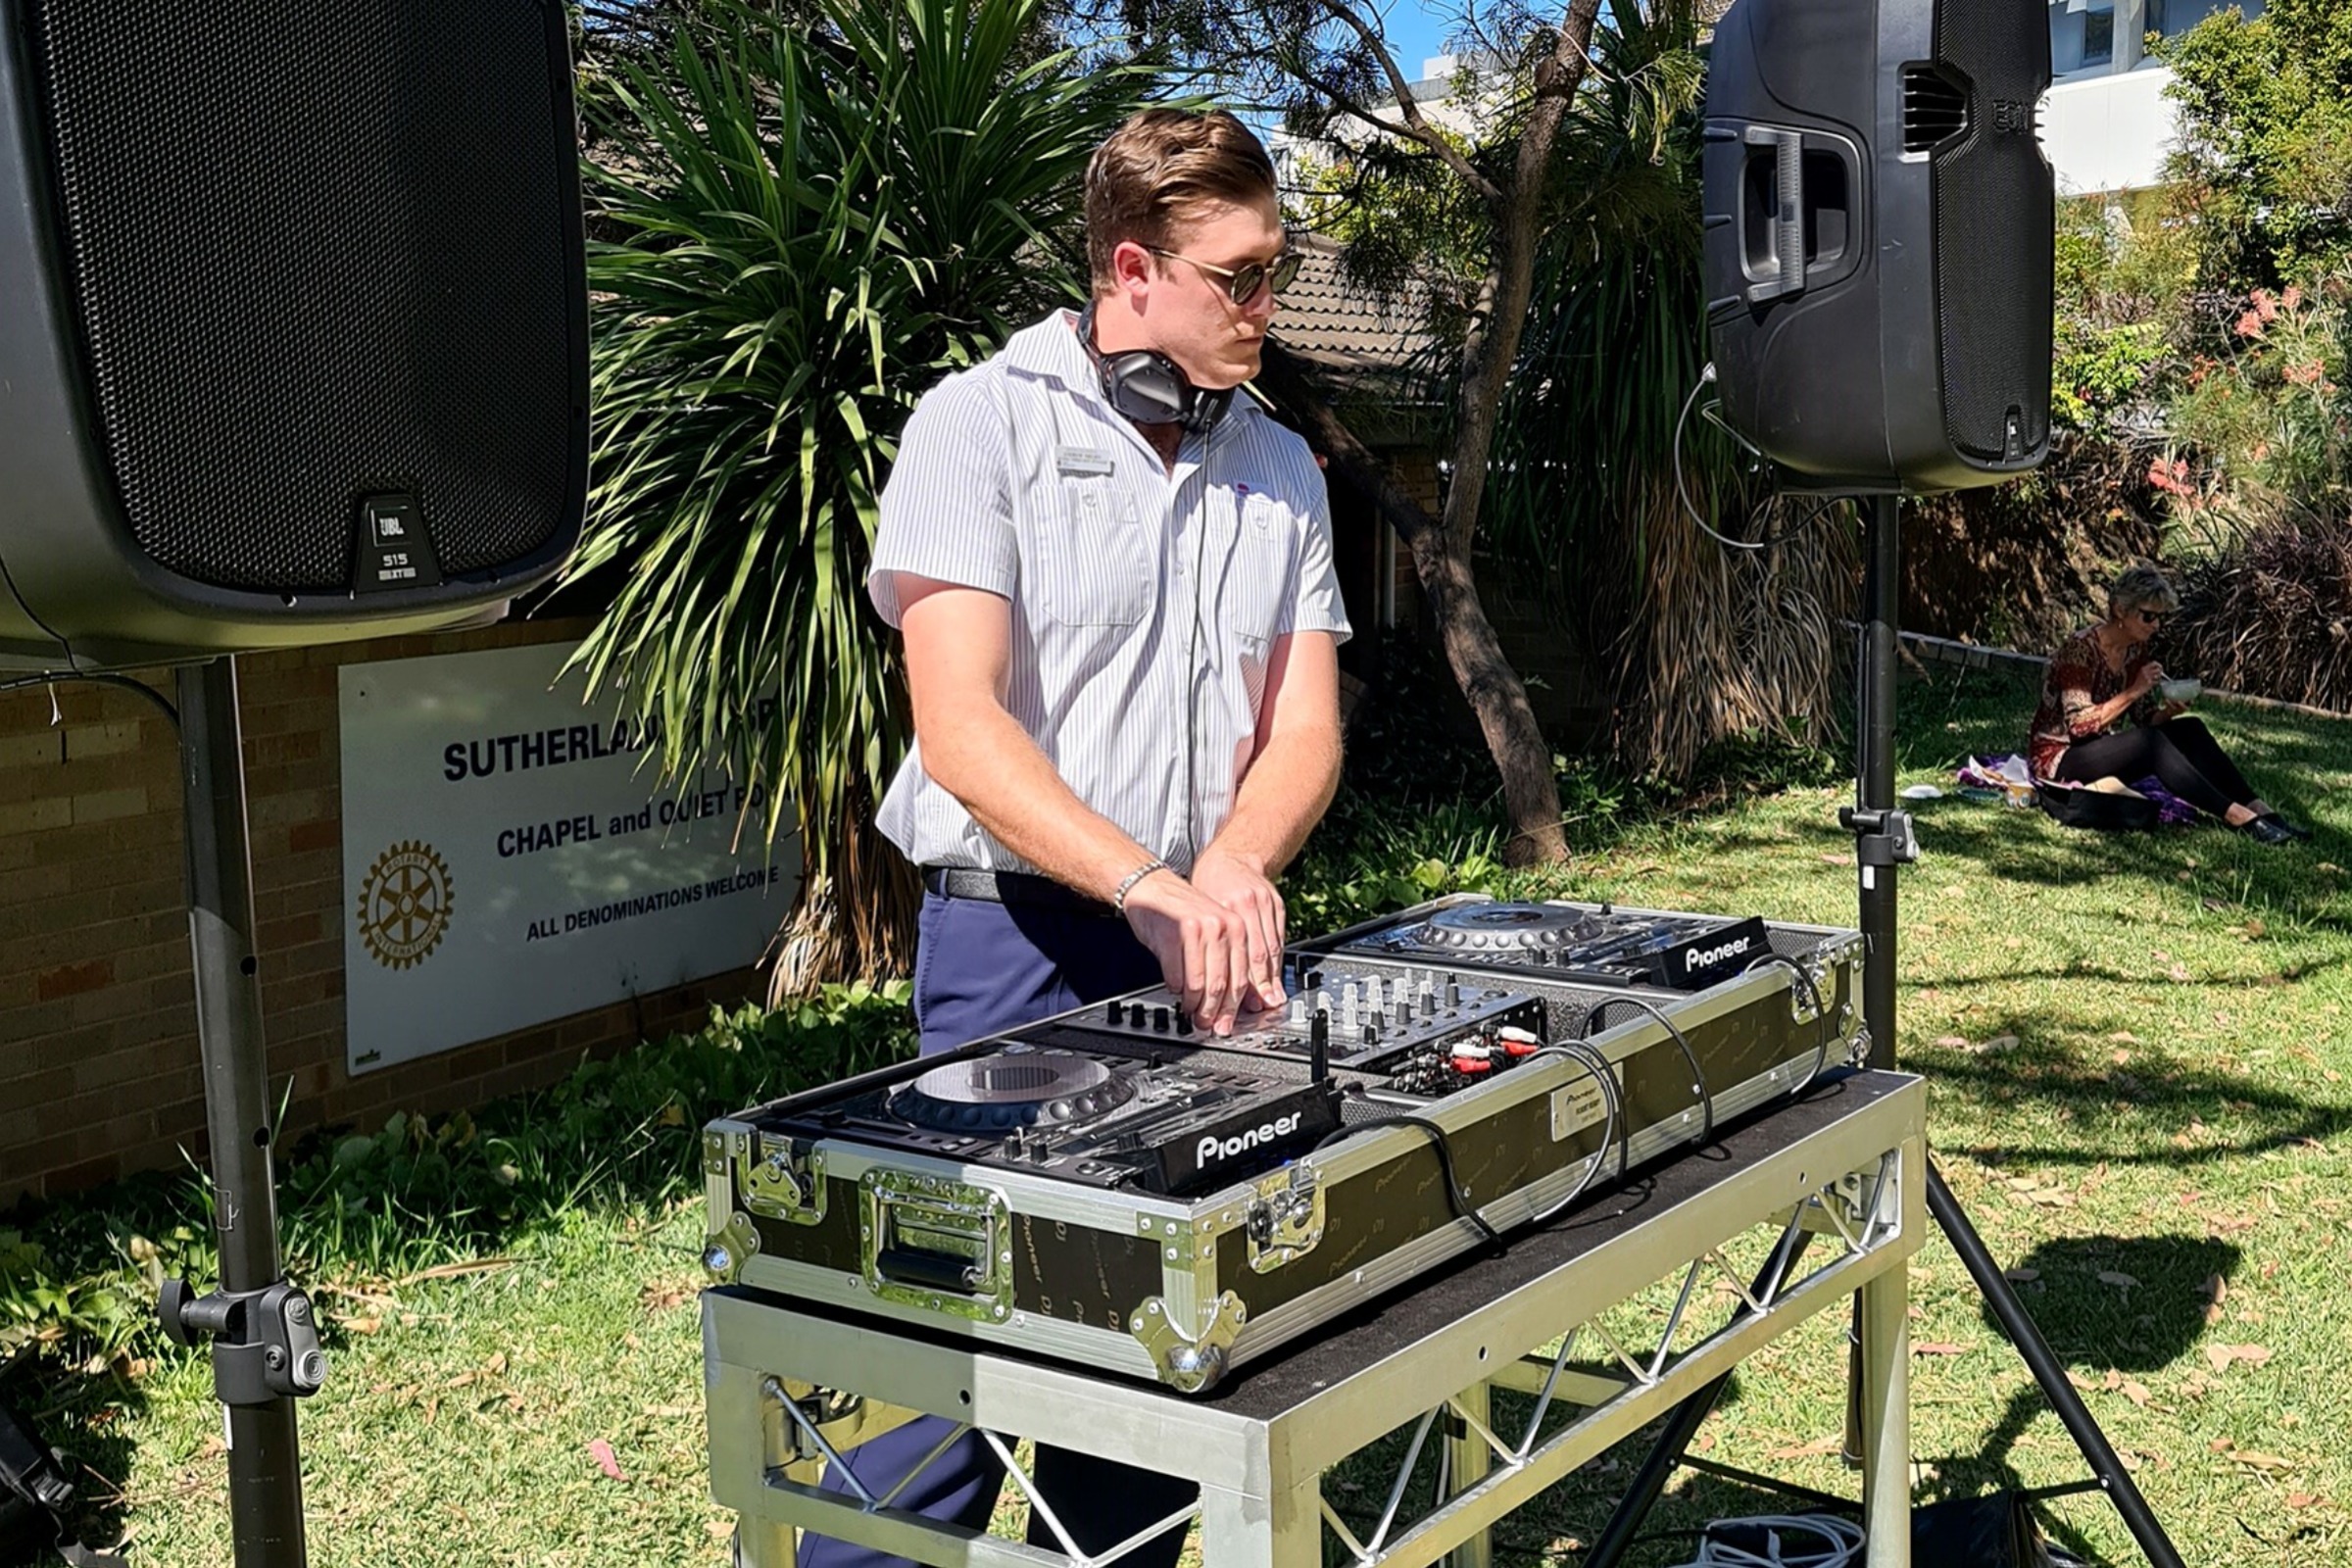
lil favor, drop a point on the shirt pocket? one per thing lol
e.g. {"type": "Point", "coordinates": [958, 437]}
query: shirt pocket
{"type": "Point", "coordinates": [1258, 578]}
{"type": "Point", "coordinates": [1093, 569]}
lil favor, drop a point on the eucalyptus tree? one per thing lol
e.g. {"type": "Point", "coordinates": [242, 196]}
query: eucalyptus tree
{"type": "Point", "coordinates": [806, 215]}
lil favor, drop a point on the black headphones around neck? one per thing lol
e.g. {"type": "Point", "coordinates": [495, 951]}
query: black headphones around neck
{"type": "Point", "coordinates": [1147, 387]}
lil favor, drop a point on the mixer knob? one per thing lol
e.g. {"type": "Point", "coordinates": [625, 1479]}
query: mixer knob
{"type": "Point", "coordinates": [1117, 1014]}
{"type": "Point", "coordinates": [1159, 1019]}
{"type": "Point", "coordinates": [1297, 1011]}
{"type": "Point", "coordinates": [1184, 1022]}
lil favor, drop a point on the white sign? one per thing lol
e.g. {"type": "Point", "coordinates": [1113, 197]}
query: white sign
{"type": "Point", "coordinates": [510, 857]}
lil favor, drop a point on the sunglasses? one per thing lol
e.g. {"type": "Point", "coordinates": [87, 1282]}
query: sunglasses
{"type": "Point", "coordinates": [1243, 282]}
{"type": "Point", "coordinates": [2154, 618]}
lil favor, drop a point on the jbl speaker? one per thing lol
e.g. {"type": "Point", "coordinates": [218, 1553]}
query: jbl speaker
{"type": "Point", "coordinates": [1880, 238]}
{"type": "Point", "coordinates": [293, 331]}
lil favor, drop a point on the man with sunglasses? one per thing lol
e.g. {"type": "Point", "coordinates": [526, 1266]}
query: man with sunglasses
{"type": "Point", "coordinates": [1113, 574]}
{"type": "Point", "coordinates": [2104, 715]}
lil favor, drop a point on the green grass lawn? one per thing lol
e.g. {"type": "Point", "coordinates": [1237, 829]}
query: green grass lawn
{"type": "Point", "coordinates": [2137, 1051]}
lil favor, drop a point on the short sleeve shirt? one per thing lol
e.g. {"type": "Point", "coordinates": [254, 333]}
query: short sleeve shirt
{"type": "Point", "coordinates": [1144, 604]}
{"type": "Point", "coordinates": [2079, 680]}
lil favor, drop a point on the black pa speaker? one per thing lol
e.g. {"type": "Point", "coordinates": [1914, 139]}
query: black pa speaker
{"type": "Point", "coordinates": [1880, 238]}
{"type": "Point", "coordinates": [293, 331]}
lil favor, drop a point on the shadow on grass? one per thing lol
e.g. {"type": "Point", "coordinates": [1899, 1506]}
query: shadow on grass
{"type": "Point", "coordinates": [2131, 1116]}
{"type": "Point", "coordinates": [2112, 1306]}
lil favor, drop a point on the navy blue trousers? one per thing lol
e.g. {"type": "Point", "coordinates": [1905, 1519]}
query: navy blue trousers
{"type": "Point", "coordinates": [982, 968]}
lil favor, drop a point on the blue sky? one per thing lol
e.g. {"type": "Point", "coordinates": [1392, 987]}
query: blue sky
{"type": "Point", "coordinates": [1415, 33]}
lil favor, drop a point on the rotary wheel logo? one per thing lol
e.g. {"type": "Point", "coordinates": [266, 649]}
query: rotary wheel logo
{"type": "Point", "coordinates": [403, 905]}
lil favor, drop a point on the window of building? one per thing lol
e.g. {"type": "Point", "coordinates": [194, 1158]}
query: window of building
{"type": "Point", "coordinates": [2098, 38]}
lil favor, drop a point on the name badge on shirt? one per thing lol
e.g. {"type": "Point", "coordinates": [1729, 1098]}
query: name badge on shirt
{"type": "Point", "coordinates": [1082, 460]}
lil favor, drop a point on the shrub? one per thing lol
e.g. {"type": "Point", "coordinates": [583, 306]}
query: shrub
{"type": "Point", "coordinates": [79, 1277]}
{"type": "Point", "coordinates": [2272, 614]}
{"type": "Point", "coordinates": [2271, 418]}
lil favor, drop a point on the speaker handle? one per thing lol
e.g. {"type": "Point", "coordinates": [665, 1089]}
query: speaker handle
{"type": "Point", "coordinates": [1789, 221]}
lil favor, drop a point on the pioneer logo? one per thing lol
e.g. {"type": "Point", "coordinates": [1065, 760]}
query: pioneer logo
{"type": "Point", "coordinates": [1706, 957]}
{"type": "Point", "coordinates": [1265, 1132]}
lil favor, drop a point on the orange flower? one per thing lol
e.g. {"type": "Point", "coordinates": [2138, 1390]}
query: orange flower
{"type": "Point", "coordinates": [2171, 477]}
{"type": "Point", "coordinates": [2293, 297]}
{"type": "Point", "coordinates": [2307, 373]}
{"type": "Point", "coordinates": [2249, 324]}
{"type": "Point", "coordinates": [2266, 305]}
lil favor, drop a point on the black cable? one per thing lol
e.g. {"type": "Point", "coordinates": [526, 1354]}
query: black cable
{"type": "Point", "coordinates": [1707, 1098]}
{"type": "Point", "coordinates": [1595, 1063]}
{"type": "Point", "coordinates": [1821, 1012]}
{"type": "Point", "coordinates": [27, 682]}
{"type": "Point", "coordinates": [1444, 1143]}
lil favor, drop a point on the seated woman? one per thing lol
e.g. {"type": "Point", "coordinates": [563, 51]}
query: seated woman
{"type": "Point", "coordinates": [2100, 717]}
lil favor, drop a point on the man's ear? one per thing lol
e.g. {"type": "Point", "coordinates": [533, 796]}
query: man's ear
{"type": "Point", "coordinates": [1132, 266]}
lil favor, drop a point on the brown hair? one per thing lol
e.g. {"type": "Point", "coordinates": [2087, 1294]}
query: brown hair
{"type": "Point", "coordinates": [1162, 167]}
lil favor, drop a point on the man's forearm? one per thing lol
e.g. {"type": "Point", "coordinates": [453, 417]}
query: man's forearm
{"type": "Point", "coordinates": [1284, 795]}
{"type": "Point", "coordinates": [992, 766]}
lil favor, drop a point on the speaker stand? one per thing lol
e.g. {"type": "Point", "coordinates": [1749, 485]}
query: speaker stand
{"type": "Point", "coordinates": [1883, 841]}
{"type": "Point", "coordinates": [263, 1335]}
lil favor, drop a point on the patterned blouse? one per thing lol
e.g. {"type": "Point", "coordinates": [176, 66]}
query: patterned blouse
{"type": "Point", "coordinates": [2079, 680]}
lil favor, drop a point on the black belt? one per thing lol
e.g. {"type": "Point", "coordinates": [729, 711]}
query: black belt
{"type": "Point", "coordinates": [1010, 887]}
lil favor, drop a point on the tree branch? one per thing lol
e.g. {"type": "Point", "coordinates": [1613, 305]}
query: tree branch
{"type": "Point", "coordinates": [1284, 377]}
{"type": "Point", "coordinates": [1418, 128]}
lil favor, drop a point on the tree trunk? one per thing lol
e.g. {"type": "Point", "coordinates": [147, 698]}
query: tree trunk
{"type": "Point", "coordinates": [856, 922]}
{"type": "Point", "coordinates": [1496, 695]}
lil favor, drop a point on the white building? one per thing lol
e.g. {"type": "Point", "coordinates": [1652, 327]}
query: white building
{"type": "Point", "coordinates": [2108, 124]}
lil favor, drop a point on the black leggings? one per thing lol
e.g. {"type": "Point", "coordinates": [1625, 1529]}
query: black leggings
{"type": "Point", "coordinates": [2183, 756]}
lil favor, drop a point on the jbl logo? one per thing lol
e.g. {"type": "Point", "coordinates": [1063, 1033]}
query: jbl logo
{"type": "Point", "coordinates": [2011, 116]}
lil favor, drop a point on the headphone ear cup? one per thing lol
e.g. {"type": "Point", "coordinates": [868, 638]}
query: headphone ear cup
{"type": "Point", "coordinates": [1147, 387]}
{"type": "Point", "coordinates": [1207, 410]}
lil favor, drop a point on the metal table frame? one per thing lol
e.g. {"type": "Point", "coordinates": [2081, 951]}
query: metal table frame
{"type": "Point", "coordinates": [1845, 1167]}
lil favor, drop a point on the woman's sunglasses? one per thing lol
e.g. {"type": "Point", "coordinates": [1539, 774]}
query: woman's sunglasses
{"type": "Point", "coordinates": [1243, 282]}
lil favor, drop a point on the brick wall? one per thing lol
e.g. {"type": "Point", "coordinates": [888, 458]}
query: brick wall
{"type": "Point", "coordinates": [98, 1064]}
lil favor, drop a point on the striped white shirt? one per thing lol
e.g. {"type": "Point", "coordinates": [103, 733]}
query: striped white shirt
{"type": "Point", "coordinates": [1143, 603]}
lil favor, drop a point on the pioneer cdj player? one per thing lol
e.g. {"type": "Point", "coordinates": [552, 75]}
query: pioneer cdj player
{"type": "Point", "coordinates": [1591, 943]}
{"type": "Point", "coordinates": [1107, 1118]}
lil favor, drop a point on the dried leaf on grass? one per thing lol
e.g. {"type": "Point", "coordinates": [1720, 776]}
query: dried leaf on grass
{"type": "Point", "coordinates": [452, 1271]}
{"type": "Point", "coordinates": [1803, 1450]}
{"type": "Point", "coordinates": [2224, 1356]}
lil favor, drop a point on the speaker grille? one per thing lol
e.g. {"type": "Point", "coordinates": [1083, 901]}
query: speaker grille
{"type": "Point", "coordinates": [1995, 209]}
{"type": "Point", "coordinates": [312, 256]}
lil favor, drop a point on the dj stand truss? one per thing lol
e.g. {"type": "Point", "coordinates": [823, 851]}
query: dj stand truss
{"type": "Point", "coordinates": [791, 1386]}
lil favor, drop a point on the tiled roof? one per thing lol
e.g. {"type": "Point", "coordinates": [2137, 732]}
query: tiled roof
{"type": "Point", "coordinates": [1345, 332]}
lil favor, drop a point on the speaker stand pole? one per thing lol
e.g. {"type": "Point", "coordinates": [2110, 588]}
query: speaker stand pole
{"type": "Point", "coordinates": [1883, 840]}
{"type": "Point", "coordinates": [265, 1342]}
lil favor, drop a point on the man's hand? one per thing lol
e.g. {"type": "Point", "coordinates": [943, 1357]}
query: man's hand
{"type": "Point", "coordinates": [1244, 889]}
{"type": "Point", "coordinates": [1202, 946]}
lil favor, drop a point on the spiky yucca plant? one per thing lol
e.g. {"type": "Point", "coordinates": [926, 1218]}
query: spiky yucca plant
{"type": "Point", "coordinates": [807, 226]}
